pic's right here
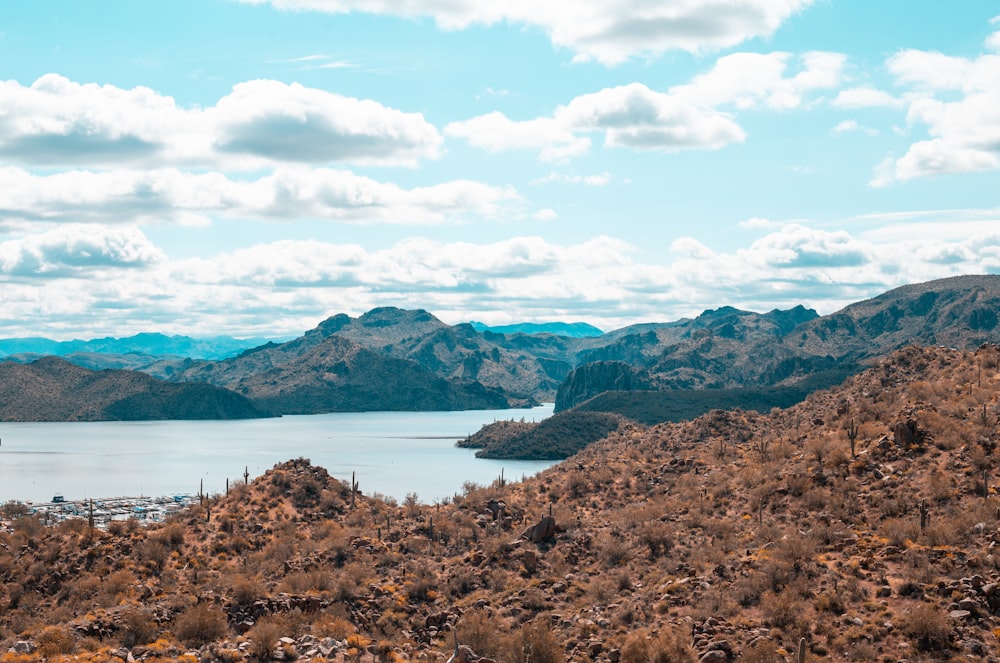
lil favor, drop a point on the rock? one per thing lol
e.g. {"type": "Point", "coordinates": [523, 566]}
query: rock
{"type": "Point", "coordinates": [969, 605]}
{"type": "Point", "coordinates": [958, 615]}
{"type": "Point", "coordinates": [615, 655]}
{"type": "Point", "coordinates": [544, 530]}
{"type": "Point", "coordinates": [714, 656]}
{"type": "Point", "coordinates": [22, 647]}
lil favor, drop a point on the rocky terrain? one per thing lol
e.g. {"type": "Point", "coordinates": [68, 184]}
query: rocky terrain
{"type": "Point", "coordinates": [862, 522]}
{"type": "Point", "coordinates": [53, 389]}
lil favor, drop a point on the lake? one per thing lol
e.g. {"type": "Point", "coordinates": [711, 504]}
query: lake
{"type": "Point", "coordinates": [393, 453]}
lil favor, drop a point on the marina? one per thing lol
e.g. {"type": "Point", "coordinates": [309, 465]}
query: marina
{"type": "Point", "coordinates": [143, 509]}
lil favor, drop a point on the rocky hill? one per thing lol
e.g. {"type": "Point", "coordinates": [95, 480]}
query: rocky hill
{"type": "Point", "coordinates": [398, 354]}
{"type": "Point", "coordinates": [862, 523]}
{"type": "Point", "coordinates": [729, 348]}
{"type": "Point", "coordinates": [53, 389]}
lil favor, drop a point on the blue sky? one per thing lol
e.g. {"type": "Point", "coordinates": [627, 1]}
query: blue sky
{"type": "Point", "coordinates": [252, 167]}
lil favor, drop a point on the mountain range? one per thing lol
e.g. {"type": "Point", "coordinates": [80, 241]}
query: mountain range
{"type": "Point", "coordinates": [395, 359]}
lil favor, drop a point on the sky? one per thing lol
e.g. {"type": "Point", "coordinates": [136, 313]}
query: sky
{"type": "Point", "coordinates": [252, 167]}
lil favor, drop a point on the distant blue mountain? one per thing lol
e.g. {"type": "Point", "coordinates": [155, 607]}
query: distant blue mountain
{"type": "Point", "coordinates": [155, 344]}
{"type": "Point", "coordinates": [571, 329]}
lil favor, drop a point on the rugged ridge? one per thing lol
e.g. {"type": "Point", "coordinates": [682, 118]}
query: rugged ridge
{"type": "Point", "coordinates": [727, 348]}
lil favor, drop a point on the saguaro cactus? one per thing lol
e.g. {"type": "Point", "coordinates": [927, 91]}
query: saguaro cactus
{"type": "Point", "coordinates": [852, 435]}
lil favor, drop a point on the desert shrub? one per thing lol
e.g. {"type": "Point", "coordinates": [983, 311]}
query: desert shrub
{"type": "Point", "coordinates": [763, 651]}
{"type": "Point", "coordinates": [464, 582]}
{"type": "Point", "coordinates": [614, 551]}
{"type": "Point", "coordinates": [55, 640]}
{"type": "Point", "coordinates": [119, 582]}
{"type": "Point", "coordinates": [657, 537]}
{"type": "Point", "coordinates": [927, 627]}
{"type": "Point", "coordinates": [201, 624]}
{"type": "Point", "coordinates": [138, 627]}
{"type": "Point", "coordinates": [900, 530]}
{"type": "Point", "coordinates": [264, 635]}
{"type": "Point", "coordinates": [245, 591]}
{"type": "Point", "coordinates": [305, 581]}
{"type": "Point", "coordinates": [422, 588]}
{"type": "Point", "coordinates": [534, 644]}
{"type": "Point", "coordinates": [667, 647]}
{"type": "Point", "coordinates": [482, 633]}
{"type": "Point", "coordinates": [153, 552]}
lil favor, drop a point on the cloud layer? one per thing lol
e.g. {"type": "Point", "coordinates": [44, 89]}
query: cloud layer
{"type": "Point", "coordinates": [111, 279]}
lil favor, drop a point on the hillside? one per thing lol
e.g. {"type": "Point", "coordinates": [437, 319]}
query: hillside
{"type": "Point", "coordinates": [728, 348]}
{"type": "Point", "coordinates": [862, 522]}
{"type": "Point", "coordinates": [492, 370]}
{"type": "Point", "coordinates": [53, 389]}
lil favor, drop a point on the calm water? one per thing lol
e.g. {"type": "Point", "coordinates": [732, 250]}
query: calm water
{"type": "Point", "coordinates": [393, 453]}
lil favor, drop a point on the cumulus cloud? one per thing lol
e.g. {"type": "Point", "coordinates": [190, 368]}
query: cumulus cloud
{"type": "Point", "coordinates": [495, 132]}
{"type": "Point", "coordinates": [608, 31]}
{"type": "Point", "coordinates": [177, 197]}
{"type": "Point", "coordinates": [691, 116]}
{"type": "Point", "coordinates": [282, 122]}
{"type": "Point", "coordinates": [77, 249]}
{"type": "Point", "coordinates": [630, 116]}
{"type": "Point", "coordinates": [751, 80]}
{"type": "Point", "coordinates": [958, 101]}
{"type": "Point", "coordinates": [58, 122]}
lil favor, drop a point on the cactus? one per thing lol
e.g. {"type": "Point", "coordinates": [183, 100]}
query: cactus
{"type": "Point", "coordinates": [90, 516]}
{"type": "Point", "coordinates": [852, 435]}
{"type": "Point", "coordinates": [246, 474]}
{"type": "Point", "coordinates": [801, 658]}
{"type": "Point", "coordinates": [925, 516]}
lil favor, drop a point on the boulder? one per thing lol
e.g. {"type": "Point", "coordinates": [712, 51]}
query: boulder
{"type": "Point", "coordinates": [544, 530]}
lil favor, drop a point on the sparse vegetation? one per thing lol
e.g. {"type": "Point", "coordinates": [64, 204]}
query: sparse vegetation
{"type": "Point", "coordinates": [660, 549]}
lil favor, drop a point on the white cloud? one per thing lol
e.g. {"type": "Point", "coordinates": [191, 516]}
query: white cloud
{"type": "Point", "coordinates": [847, 126]}
{"type": "Point", "coordinates": [958, 101]}
{"type": "Point", "coordinates": [58, 122]}
{"type": "Point", "coordinates": [691, 116]}
{"type": "Point", "coordinates": [608, 31]}
{"type": "Point", "coordinates": [630, 116]}
{"type": "Point", "coordinates": [751, 80]}
{"type": "Point", "coordinates": [993, 42]}
{"type": "Point", "coordinates": [546, 215]}
{"type": "Point", "coordinates": [289, 193]}
{"type": "Point", "coordinates": [866, 97]}
{"type": "Point", "coordinates": [292, 123]}
{"type": "Point", "coordinates": [77, 248]}
{"type": "Point", "coordinates": [589, 180]}
{"type": "Point", "coordinates": [495, 132]}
